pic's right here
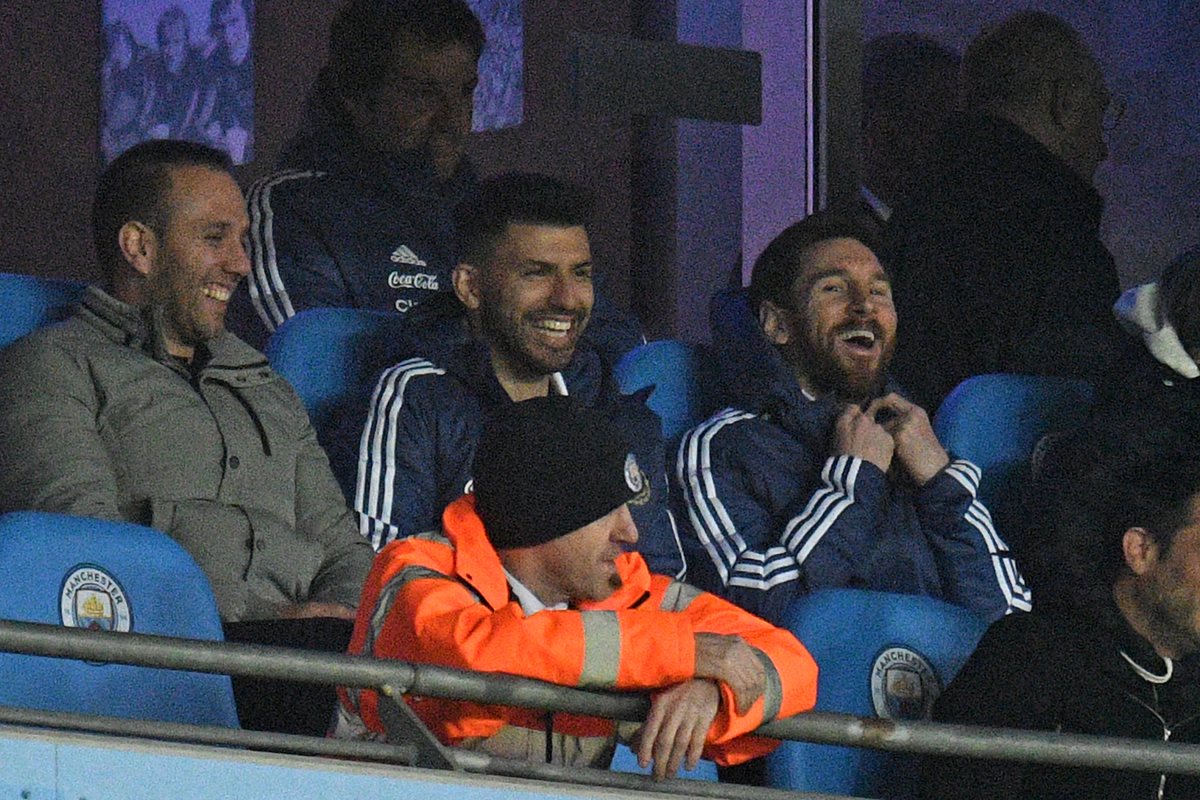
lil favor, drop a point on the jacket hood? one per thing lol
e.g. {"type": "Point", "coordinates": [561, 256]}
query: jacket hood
{"type": "Point", "coordinates": [1139, 312]}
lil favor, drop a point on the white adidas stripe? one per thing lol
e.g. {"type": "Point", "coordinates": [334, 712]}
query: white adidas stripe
{"type": "Point", "coordinates": [374, 492]}
{"type": "Point", "coordinates": [1008, 577]}
{"type": "Point", "coordinates": [737, 564]}
{"type": "Point", "coordinates": [695, 485]}
{"type": "Point", "coordinates": [267, 291]}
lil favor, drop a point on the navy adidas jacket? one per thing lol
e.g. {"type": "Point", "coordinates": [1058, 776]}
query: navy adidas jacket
{"type": "Point", "coordinates": [345, 226]}
{"type": "Point", "coordinates": [766, 512]}
{"type": "Point", "coordinates": [409, 451]}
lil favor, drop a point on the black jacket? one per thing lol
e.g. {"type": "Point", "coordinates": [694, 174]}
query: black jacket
{"type": "Point", "coordinates": [998, 267]}
{"type": "Point", "coordinates": [1064, 671]}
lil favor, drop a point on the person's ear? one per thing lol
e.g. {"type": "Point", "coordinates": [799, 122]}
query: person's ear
{"type": "Point", "coordinates": [139, 246]}
{"type": "Point", "coordinates": [775, 323]}
{"type": "Point", "coordinates": [1140, 550]}
{"type": "Point", "coordinates": [465, 278]}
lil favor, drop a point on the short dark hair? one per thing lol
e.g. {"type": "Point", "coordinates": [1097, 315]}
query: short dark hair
{"type": "Point", "coordinates": [364, 32]}
{"type": "Point", "coordinates": [1093, 486]}
{"type": "Point", "coordinates": [776, 269]}
{"type": "Point", "coordinates": [517, 197]}
{"type": "Point", "coordinates": [1008, 64]}
{"type": "Point", "coordinates": [135, 186]}
{"type": "Point", "coordinates": [1179, 298]}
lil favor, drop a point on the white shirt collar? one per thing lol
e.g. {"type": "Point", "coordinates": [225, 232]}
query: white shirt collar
{"type": "Point", "coordinates": [530, 603]}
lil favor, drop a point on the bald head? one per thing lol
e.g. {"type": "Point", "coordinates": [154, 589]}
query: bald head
{"type": "Point", "coordinates": [1034, 70]}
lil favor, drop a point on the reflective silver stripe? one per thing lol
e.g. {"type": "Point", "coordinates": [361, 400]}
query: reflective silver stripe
{"type": "Point", "coordinates": [679, 596]}
{"type": "Point", "coordinates": [388, 596]}
{"type": "Point", "coordinates": [382, 606]}
{"type": "Point", "coordinates": [601, 649]}
{"type": "Point", "coordinates": [773, 693]}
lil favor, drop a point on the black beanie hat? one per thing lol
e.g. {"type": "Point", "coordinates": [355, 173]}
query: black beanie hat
{"type": "Point", "coordinates": [548, 466]}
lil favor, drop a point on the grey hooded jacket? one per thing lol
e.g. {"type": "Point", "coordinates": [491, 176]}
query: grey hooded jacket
{"type": "Point", "coordinates": [97, 419]}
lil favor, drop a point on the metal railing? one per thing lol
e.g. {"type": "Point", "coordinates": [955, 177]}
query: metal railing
{"type": "Point", "coordinates": [395, 678]}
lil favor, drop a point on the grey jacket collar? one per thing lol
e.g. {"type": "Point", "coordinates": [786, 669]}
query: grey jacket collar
{"type": "Point", "coordinates": [142, 330]}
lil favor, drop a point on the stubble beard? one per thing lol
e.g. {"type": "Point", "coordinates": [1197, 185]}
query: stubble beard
{"type": "Point", "coordinates": [829, 376]}
{"type": "Point", "coordinates": [170, 297]}
{"type": "Point", "coordinates": [504, 334]}
{"type": "Point", "coordinates": [1173, 613]}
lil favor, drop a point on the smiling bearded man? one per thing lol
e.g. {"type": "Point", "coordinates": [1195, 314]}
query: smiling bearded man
{"type": "Point", "coordinates": [822, 474]}
{"type": "Point", "coordinates": [522, 299]}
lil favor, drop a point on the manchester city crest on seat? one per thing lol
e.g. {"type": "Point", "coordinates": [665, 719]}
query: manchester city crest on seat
{"type": "Point", "coordinates": [92, 598]}
{"type": "Point", "coordinates": [904, 685]}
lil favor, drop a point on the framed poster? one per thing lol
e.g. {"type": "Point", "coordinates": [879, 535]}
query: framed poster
{"type": "Point", "coordinates": [500, 98]}
{"type": "Point", "coordinates": [178, 69]}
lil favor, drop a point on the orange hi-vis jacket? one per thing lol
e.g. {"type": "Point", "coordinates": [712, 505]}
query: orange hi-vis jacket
{"type": "Point", "coordinates": [443, 599]}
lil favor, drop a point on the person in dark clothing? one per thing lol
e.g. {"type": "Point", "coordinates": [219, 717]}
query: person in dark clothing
{"type": "Point", "coordinates": [361, 215]}
{"type": "Point", "coordinates": [1111, 647]}
{"type": "Point", "coordinates": [1152, 401]}
{"type": "Point", "coordinates": [997, 262]}
{"type": "Point", "coordinates": [175, 74]}
{"type": "Point", "coordinates": [1156, 398]}
{"type": "Point", "coordinates": [229, 76]}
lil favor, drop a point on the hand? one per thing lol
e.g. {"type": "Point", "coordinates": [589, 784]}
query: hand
{"type": "Point", "coordinates": [916, 445]}
{"type": "Point", "coordinates": [858, 434]}
{"type": "Point", "coordinates": [678, 723]}
{"type": "Point", "coordinates": [731, 661]}
{"type": "Point", "coordinates": [307, 610]}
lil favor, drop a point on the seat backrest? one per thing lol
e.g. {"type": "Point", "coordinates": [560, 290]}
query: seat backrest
{"type": "Point", "coordinates": [880, 655]}
{"type": "Point", "coordinates": [996, 421]}
{"type": "Point", "coordinates": [89, 573]}
{"type": "Point", "coordinates": [332, 357]}
{"type": "Point", "coordinates": [683, 380]}
{"type": "Point", "coordinates": [27, 302]}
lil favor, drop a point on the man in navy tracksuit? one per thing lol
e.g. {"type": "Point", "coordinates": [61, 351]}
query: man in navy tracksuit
{"type": "Point", "coordinates": [361, 214]}
{"type": "Point", "coordinates": [822, 474]}
{"type": "Point", "coordinates": [522, 298]}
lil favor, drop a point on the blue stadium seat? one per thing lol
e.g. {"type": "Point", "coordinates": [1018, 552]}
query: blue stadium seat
{"type": "Point", "coordinates": [89, 573]}
{"type": "Point", "coordinates": [333, 356]}
{"type": "Point", "coordinates": [996, 421]}
{"type": "Point", "coordinates": [877, 652]}
{"type": "Point", "coordinates": [683, 381]}
{"type": "Point", "coordinates": [28, 302]}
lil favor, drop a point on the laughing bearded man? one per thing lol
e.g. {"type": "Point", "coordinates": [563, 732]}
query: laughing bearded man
{"type": "Point", "coordinates": [821, 474]}
{"type": "Point", "coordinates": [511, 331]}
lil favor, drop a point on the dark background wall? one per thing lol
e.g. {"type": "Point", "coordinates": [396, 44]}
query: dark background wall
{"type": "Point", "coordinates": [49, 99]}
{"type": "Point", "coordinates": [49, 114]}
